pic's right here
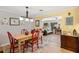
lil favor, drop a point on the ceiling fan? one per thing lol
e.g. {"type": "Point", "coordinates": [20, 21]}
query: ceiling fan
{"type": "Point", "coordinates": [26, 17]}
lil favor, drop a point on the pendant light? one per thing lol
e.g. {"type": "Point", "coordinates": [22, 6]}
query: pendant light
{"type": "Point", "coordinates": [26, 18]}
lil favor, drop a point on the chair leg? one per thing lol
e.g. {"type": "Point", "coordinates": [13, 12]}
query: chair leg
{"type": "Point", "coordinates": [23, 49]}
{"type": "Point", "coordinates": [32, 47]}
{"type": "Point", "coordinates": [27, 46]}
{"type": "Point", "coordinates": [41, 40]}
{"type": "Point", "coordinates": [10, 50]}
{"type": "Point", "coordinates": [13, 50]}
{"type": "Point", "coordinates": [37, 44]}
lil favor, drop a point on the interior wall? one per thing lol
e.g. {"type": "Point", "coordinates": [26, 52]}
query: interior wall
{"type": "Point", "coordinates": [49, 20]}
{"type": "Point", "coordinates": [49, 25]}
{"type": "Point", "coordinates": [74, 12]}
{"type": "Point", "coordinates": [15, 30]}
{"type": "Point", "coordinates": [69, 28]}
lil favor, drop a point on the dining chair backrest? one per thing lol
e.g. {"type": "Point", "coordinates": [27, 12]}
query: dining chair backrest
{"type": "Point", "coordinates": [34, 36]}
{"type": "Point", "coordinates": [22, 31]}
{"type": "Point", "coordinates": [32, 31]}
{"type": "Point", "coordinates": [40, 32]}
{"type": "Point", "coordinates": [10, 38]}
{"type": "Point", "coordinates": [26, 32]}
{"type": "Point", "coordinates": [37, 31]}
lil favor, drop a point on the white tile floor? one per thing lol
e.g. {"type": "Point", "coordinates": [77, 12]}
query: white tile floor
{"type": "Point", "coordinates": [51, 44]}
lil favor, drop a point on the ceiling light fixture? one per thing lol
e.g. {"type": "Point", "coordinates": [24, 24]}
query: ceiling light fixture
{"type": "Point", "coordinates": [21, 18]}
{"type": "Point", "coordinates": [26, 17]}
{"type": "Point", "coordinates": [31, 20]}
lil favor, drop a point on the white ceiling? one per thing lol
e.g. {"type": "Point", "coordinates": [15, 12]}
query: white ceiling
{"type": "Point", "coordinates": [18, 11]}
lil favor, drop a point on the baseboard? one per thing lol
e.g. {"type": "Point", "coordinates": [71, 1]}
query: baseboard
{"type": "Point", "coordinates": [4, 44]}
{"type": "Point", "coordinates": [50, 33]}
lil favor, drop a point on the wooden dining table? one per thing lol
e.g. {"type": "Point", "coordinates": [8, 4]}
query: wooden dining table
{"type": "Point", "coordinates": [22, 38]}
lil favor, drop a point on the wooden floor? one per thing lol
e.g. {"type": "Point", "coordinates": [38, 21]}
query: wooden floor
{"type": "Point", "coordinates": [51, 44]}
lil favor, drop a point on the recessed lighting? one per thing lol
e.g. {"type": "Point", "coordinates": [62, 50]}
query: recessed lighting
{"type": "Point", "coordinates": [41, 10]}
{"type": "Point", "coordinates": [27, 7]}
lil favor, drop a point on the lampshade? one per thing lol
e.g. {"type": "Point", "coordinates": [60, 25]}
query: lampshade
{"type": "Point", "coordinates": [21, 18]}
{"type": "Point", "coordinates": [27, 19]}
{"type": "Point", "coordinates": [31, 20]}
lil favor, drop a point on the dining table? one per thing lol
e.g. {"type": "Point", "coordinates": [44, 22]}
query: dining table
{"type": "Point", "coordinates": [22, 38]}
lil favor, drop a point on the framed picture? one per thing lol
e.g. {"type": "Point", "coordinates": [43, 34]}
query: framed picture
{"type": "Point", "coordinates": [37, 23]}
{"type": "Point", "coordinates": [69, 20]}
{"type": "Point", "coordinates": [4, 21]}
{"type": "Point", "coordinates": [14, 21]}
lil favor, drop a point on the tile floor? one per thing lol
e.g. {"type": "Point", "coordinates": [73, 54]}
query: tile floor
{"type": "Point", "coordinates": [51, 44]}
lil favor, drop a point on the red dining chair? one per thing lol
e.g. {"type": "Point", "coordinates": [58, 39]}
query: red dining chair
{"type": "Point", "coordinates": [33, 41]}
{"type": "Point", "coordinates": [40, 35]}
{"type": "Point", "coordinates": [32, 31]}
{"type": "Point", "coordinates": [13, 43]}
{"type": "Point", "coordinates": [24, 31]}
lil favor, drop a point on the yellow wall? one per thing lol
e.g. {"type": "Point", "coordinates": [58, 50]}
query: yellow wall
{"type": "Point", "coordinates": [63, 20]}
{"type": "Point", "coordinates": [39, 17]}
{"type": "Point", "coordinates": [74, 12]}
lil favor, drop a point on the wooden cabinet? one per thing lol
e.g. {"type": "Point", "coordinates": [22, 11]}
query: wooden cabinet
{"type": "Point", "coordinates": [70, 43]}
{"type": "Point", "coordinates": [1, 51]}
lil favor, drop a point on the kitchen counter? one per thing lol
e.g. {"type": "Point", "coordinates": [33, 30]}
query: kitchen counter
{"type": "Point", "coordinates": [1, 50]}
{"type": "Point", "coordinates": [69, 34]}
